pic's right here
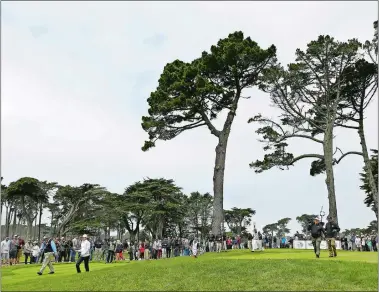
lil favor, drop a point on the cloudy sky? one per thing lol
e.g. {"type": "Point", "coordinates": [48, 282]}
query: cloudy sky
{"type": "Point", "coordinates": [76, 76]}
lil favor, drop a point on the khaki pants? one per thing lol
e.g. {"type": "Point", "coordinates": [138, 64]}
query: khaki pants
{"type": "Point", "coordinates": [146, 254]}
{"type": "Point", "coordinates": [316, 245]}
{"type": "Point", "coordinates": [47, 261]}
{"type": "Point", "coordinates": [97, 254]}
{"type": "Point", "coordinates": [19, 254]}
{"type": "Point", "coordinates": [218, 246]}
{"type": "Point", "coordinates": [331, 247]}
{"type": "Point", "coordinates": [211, 245]}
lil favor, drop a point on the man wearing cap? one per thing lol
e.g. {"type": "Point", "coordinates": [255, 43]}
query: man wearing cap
{"type": "Point", "coordinates": [331, 230]}
{"type": "Point", "coordinates": [50, 252]}
{"type": "Point", "coordinates": [85, 251]}
{"type": "Point", "coordinates": [316, 229]}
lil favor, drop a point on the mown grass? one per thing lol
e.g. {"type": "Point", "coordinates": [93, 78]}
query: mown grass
{"type": "Point", "coordinates": [234, 270]}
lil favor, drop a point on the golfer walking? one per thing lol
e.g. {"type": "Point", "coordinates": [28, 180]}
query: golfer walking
{"type": "Point", "coordinates": [50, 251]}
{"type": "Point", "coordinates": [85, 251]}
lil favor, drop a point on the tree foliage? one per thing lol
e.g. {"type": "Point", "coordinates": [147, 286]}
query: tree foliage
{"type": "Point", "coordinates": [369, 200]}
{"type": "Point", "coordinates": [308, 94]}
{"type": "Point", "coordinates": [29, 192]}
{"type": "Point", "coordinates": [270, 229]}
{"type": "Point", "coordinates": [191, 95]}
{"type": "Point", "coordinates": [238, 219]}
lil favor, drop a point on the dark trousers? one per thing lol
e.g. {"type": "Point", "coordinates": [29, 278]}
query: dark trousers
{"type": "Point", "coordinates": [27, 255]}
{"type": "Point", "coordinates": [42, 257]}
{"type": "Point", "coordinates": [155, 254]}
{"type": "Point", "coordinates": [62, 256]}
{"type": "Point", "coordinates": [110, 256]}
{"type": "Point", "coordinates": [33, 259]}
{"type": "Point", "coordinates": [86, 263]}
{"type": "Point", "coordinates": [131, 255]}
{"type": "Point", "coordinates": [168, 252]}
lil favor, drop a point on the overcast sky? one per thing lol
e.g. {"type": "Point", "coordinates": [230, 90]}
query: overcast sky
{"type": "Point", "coordinates": [76, 76]}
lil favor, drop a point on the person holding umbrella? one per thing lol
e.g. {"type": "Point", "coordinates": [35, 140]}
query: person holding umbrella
{"type": "Point", "coordinates": [85, 252]}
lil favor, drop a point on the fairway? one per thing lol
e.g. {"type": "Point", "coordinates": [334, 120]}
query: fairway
{"type": "Point", "coordinates": [279, 269]}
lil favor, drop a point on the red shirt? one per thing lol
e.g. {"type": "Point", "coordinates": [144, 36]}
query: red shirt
{"type": "Point", "coordinates": [21, 242]}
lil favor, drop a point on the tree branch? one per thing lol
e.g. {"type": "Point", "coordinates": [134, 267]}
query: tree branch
{"type": "Point", "coordinates": [209, 124]}
{"type": "Point", "coordinates": [319, 156]}
{"type": "Point", "coordinates": [300, 136]}
{"type": "Point", "coordinates": [336, 161]}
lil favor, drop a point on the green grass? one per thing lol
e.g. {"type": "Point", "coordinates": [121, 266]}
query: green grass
{"type": "Point", "coordinates": [234, 270]}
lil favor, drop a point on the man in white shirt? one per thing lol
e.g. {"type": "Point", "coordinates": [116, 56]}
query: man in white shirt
{"type": "Point", "coordinates": [4, 249]}
{"type": "Point", "coordinates": [155, 249]}
{"type": "Point", "coordinates": [85, 252]}
{"type": "Point", "coordinates": [358, 243]}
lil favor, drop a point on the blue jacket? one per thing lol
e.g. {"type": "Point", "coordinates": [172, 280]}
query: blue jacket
{"type": "Point", "coordinates": [52, 244]}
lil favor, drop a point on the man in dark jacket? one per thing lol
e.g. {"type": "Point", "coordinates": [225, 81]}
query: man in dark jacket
{"type": "Point", "coordinates": [331, 230]}
{"type": "Point", "coordinates": [169, 247]}
{"type": "Point", "coordinates": [316, 229]}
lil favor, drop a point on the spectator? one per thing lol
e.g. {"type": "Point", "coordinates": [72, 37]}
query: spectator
{"type": "Point", "coordinates": [28, 251]}
{"type": "Point", "coordinates": [4, 249]}
{"type": "Point", "coordinates": [35, 253]}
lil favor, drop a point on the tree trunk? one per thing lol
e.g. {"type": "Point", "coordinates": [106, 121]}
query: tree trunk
{"type": "Point", "coordinates": [239, 228]}
{"type": "Point", "coordinates": [132, 236]}
{"type": "Point", "coordinates": [328, 158]}
{"type": "Point", "coordinates": [19, 229]}
{"type": "Point", "coordinates": [14, 225]}
{"type": "Point", "coordinates": [7, 219]}
{"type": "Point", "coordinates": [10, 214]}
{"type": "Point", "coordinates": [29, 233]}
{"type": "Point", "coordinates": [35, 228]}
{"type": "Point", "coordinates": [368, 167]}
{"type": "Point", "coordinates": [218, 184]}
{"type": "Point", "coordinates": [219, 169]}
{"type": "Point", "coordinates": [39, 223]}
{"type": "Point", "coordinates": [74, 208]}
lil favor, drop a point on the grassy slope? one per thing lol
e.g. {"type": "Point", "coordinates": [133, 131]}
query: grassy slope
{"type": "Point", "coordinates": [235, 270]}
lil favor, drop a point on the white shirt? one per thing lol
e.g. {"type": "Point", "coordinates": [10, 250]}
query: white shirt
{"type": "Point", "coordinates": [5, 246]}
{"type": "Point", "coordinates": [28, 248]}
{"type": "Point", "coordinates": [85, 248]}
{"type": "Point", "coordinates": [35, 251]}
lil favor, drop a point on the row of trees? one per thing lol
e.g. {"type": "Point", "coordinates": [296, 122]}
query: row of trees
{"type": "Point", "coordinates": [149, 208]}
{"type": "Point", "coordinates": [329, 85]}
